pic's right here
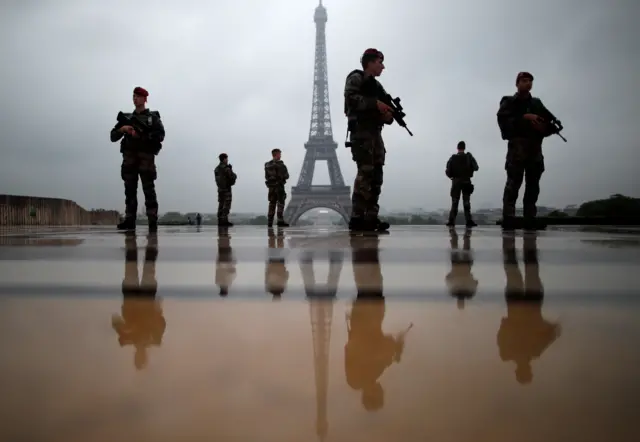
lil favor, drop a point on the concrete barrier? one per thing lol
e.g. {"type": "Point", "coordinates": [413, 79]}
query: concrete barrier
{"type": "Point", "coordinates": [36, 211]}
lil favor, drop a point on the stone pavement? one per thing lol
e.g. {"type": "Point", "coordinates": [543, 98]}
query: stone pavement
{"type": "Point", "coordinates": [412, 336]}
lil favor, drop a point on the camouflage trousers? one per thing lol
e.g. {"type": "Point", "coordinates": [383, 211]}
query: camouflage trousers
{"type": "Point", "coordinates": [368, 152]}
{"type": "Point", "coordinates": [224, 204]}
{"type": "Point", "coordinates": [143, 165]}
{"type": "Point", "coordinates": [460, 187]}
{"type": "Point", "coordinates": [277, 197]}
{"type": "Point", "coordinates": [524, 162]}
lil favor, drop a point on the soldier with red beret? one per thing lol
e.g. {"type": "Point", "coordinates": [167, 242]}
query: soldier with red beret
{"type": "Point", "coordinates": [139, 149]}
{"type": "Point", "coordinates": [524, 123]}
{"type": "Point", "coordinates": [366, 116]}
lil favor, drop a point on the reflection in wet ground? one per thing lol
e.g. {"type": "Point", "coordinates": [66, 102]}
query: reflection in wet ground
{"type": "Point", "coordinates": [528, 358]}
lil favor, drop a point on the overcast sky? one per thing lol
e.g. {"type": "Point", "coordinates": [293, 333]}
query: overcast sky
{"type": "Point", "coordinates": [236, 77]}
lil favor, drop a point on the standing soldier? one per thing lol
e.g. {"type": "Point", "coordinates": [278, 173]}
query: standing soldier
{"type": "Point", "coordinates": [138, 159]}
{"type": "Point", "coordinates": [225, 179]}
{"type": "Point", "coordinates": [276, 176]}
{"type": "Point", "coordinates": [460, 169]}
{"type": "Point", "coordinates": [366, 115]}
{"type": "Point", "coordinates": [524, 123]}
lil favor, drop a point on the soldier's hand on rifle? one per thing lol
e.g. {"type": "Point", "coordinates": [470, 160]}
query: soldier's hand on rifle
{"type": "Point", "coordinates": [384, 108]}
{"type": "Point", "coordinates": [126, 129]}
{"type": "Point", "coordinates": [535, 119]}
{"type": "Point", "coordinates": [134, 134]}
{"type": "Point", "coordinates": [387, 117]}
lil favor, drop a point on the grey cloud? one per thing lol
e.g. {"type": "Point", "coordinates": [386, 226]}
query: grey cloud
{"type": "Point", "coordinates": [237, 77]}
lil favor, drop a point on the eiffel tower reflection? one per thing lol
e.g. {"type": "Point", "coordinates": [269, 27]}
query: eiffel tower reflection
{"type": "Point", "coordinates": [321, 299]}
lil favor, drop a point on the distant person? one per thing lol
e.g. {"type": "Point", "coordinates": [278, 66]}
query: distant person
{"type": "Point", "coordinates": [366, 115]}
{"type": "Point", "coordinates": [225, 179]}
{"type": "Point", "coordinates": [138, 159]}
{"type": "Point", "coordinates": [276, 176]}
{"type": "Point", "coordinates": [523, 122]}
{"type": "Point", "coordinates": [198, 220]}
{"type": "Point", "coordinates": [460, 169]}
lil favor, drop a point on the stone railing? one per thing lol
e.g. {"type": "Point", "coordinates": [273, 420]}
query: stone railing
{"type": "Point", "coordinates": [36, 211]}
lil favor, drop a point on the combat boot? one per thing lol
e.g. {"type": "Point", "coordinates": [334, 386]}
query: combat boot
{"type": "Point", "coordinates": [282, 223]}
{"type": "Point", "coordinates": [470, 223]}
{"type": "Point", "coordinates": [382, 226]}
{"type": "Point", "coordinates": [451, 223]}
{"type": "Point", "coordinates": [127, 224]}
{"type": "Point", "coordinates": [508, 223]}
{"type": "Point", "coordinates": [269, 222]}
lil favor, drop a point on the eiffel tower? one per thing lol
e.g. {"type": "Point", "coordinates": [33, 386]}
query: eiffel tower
{"type": "Point", "coordinates": [321, 301]}
{"type": "Point", "coordinates": [320, 146]}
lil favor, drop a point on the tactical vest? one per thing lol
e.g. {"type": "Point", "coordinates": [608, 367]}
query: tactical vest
{"type": "Point", "coordinates": [461, 166]}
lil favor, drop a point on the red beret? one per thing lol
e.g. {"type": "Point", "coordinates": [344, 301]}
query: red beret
{"type": "Point", "coordinates": [523, 75]}
{"type": "Point", "coordinates": [372, 51]}
{"type": "Point", "coordinates": [141, 91]}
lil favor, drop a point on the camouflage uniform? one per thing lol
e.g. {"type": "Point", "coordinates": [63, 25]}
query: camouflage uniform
{"type": "Point", "coordinates": [524, 161]}
{"type": "Point", "coordinates": [138, 160]}
{"type": "Point", "coordinates": [225, 179]}
{"type": "Point", "coordinates": [276, 176]}
{"type": "Point", "coordinates": [460, 168]}
{"type": "Point", "coordinates": [367, 147]}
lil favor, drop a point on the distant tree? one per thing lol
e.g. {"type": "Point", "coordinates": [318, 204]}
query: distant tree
{"type": "Point", "coordinates": [615, 206]}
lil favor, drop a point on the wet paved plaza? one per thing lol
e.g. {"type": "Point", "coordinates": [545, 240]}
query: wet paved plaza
{"type": "Point", "coordinates": [249, 334]}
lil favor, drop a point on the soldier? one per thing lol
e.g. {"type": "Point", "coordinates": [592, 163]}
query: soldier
{"type": "Point", "coordinates": [366, 115]}
{"type": "Point", "coordinates": [225, 179]}
{"type": "Point", "coordinates": [138, 159]}
{"type": "Point", "coordinates": [460, 169]}
{"type": "Point", "coordinates": [276, 176]}
{"type": "Point", "coordinates": [523, 122]}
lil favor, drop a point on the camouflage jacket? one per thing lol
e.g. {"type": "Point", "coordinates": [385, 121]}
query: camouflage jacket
{"type": "Point", "coordinates": [225, 176]}
{"type": "Point", "coordinates": [511, 121]}
{"type": "Point", "coordinates": [361, 94]}
{"type": "Point", "coordinates": [275, 173]}
{"type": "Point", "coordinates": [151, 144]}
{"type": "Point", "coordinates": [461, 166]}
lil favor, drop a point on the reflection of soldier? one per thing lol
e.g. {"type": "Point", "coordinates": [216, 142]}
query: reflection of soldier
{"type": "Point", "coordinates": [524, 334]}
{"type": "Point", "coordinates": [276, 274]}
{"type": "Point", "coordinates": [225, 263]}
{"type": "Point", "coordinates": [460, 281]}
{"type": "Point", "coordinates": [142, 323]}
{"type": "Point", "coordinates": [369, 351]}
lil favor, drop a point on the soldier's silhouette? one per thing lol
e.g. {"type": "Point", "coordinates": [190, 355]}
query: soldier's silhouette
{"type": "Point", "coordinates": [369, 351]}
{"type": "Point", "coordinates": [141, 323]}
{"type": "Point", "coordinates": [524, 334]}
{"type": "Point", "coordinates": [225, 262]}
{"type": "Point", "coordinates": [460, 281]}
{"type": "Point", "coordinates": [276, 274]}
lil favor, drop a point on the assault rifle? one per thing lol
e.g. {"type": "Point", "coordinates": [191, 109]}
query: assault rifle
{"type": "Point", "coordinates": [557, 126]}
{"type": "Point", "coordinates": [396, 110]}
{"type": "Point", "coordinates": [141, 128]}
{"type": "Point", "coordinates": [145, 131]}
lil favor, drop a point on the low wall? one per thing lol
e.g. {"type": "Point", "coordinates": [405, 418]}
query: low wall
{"type": "Point", "coordinates": [35, 211]}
